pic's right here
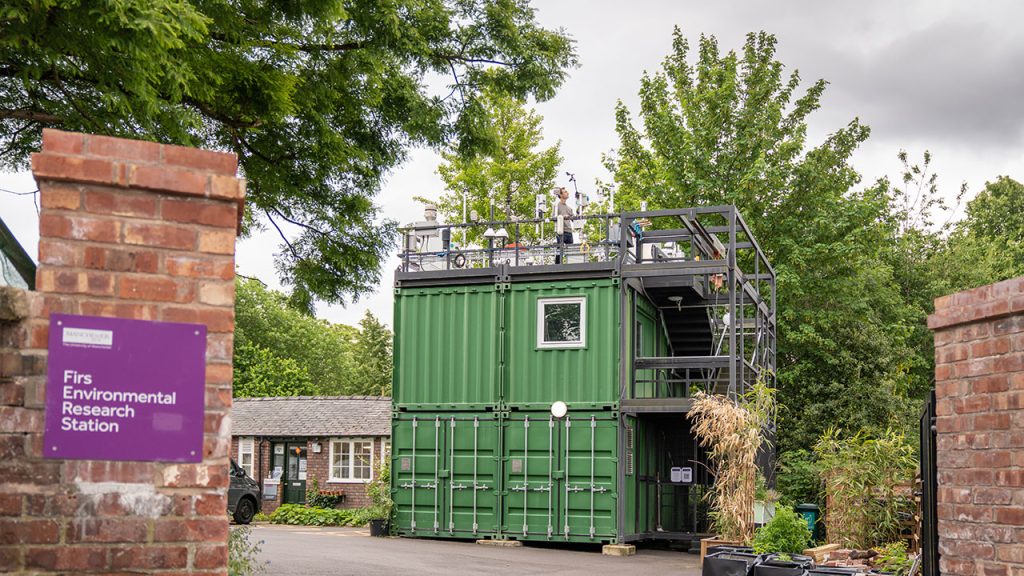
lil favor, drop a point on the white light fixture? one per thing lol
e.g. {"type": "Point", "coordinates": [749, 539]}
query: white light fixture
{"type": "Point", "coordinates": [726, 319]}
{"type": "Point", "coordinates": [677, 300]}
{"type": "Point", "coordinates": [489, 233]}
{"type": "Point", "coordinates": [501, 233]}
{"type": "Point", "coordinates": [559, 409]}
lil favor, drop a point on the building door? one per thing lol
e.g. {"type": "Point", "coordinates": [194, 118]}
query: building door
{"type": "Point", "coordinates": [294, 479]}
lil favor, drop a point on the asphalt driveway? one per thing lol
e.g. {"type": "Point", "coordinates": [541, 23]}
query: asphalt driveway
{"type": "Point", "coordinates": [314, 551]}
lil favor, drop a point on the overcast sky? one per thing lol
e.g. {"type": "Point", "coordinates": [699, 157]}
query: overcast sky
{"type": "Point", "coordinates": [937, 75]}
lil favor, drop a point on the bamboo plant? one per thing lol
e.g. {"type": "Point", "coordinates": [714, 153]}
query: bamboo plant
{"type": "Point", "coordinates": [732, 432]}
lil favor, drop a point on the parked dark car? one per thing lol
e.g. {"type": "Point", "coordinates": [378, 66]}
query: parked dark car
{"type": "Point", "coordinates": [243, 495]}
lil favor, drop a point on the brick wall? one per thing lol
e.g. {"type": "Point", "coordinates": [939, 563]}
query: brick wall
{"type": "Point", "coordinates": [135, 230]}
{"type": "Point", "coordinates": [317, 467]}
{"type": "Point", "coordinates": [979, 372]}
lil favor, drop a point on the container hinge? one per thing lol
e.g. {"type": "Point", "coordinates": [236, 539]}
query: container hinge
{"type": "Point", "coordinates": [476, 423]}
{"type": "Point", "coordinates": [475, 527]}
{"type": "Point", "coordinates": [436, 526]}
{"type": "Point", "coordinates": [413, 525]}
{"type": "Point", "coordinates": [451, 526]}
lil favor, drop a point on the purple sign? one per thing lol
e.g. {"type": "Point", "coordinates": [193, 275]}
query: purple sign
{"type": "Point", "coordinates": [121, 389]}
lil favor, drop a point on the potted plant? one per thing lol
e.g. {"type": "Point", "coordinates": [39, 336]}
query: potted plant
{"type": "Point", "coordinates": [782, 539]}
{"type": "Point", "coordinates": [379, 492]}
{"type": "Point", "coordinates": [731, 430]}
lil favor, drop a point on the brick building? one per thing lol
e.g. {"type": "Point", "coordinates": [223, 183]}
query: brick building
{"type": "Point", "coordinates": [979, 391]}
{"type": "Point", "coordinates": [286, 444]}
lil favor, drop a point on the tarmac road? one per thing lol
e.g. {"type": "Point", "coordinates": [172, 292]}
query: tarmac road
{"type": "Point", "coordinates": [312, 551]}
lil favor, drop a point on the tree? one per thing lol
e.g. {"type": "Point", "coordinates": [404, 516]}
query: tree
{"type": "Point", "coordinates": [730, 129]}
{"type": "Point", "coordinates": [323, 351]}
{"type": "Point", "coordinates": [318, 99]}
{"type": "Point", "coordinates": [987, 245]}
{"type": "Point", "coordinates": [372, 357]}
{"type": "Point", "coordinates": [258, 372]}
{"type": "Point", "coordinates": [510, 175]}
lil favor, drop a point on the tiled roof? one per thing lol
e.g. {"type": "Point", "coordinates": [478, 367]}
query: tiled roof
{"type": "Point", "coordinates": [312, 416]}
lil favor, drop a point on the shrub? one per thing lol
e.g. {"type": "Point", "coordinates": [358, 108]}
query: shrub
{"type": "Point", "coordinates": [298, 515]}
{"type": "Point", "coordinates": [317, 498]}
{"type": "Point", "coordinates": [242, 553]}
{"type": "Point", "coordinates": [797, 478]}
{"type": "Point", "coordinates": [892, 558]}
{"type": "Point", "coordinates": [787, 532]}
{"type": "Point", "coordinates": [861, 475]}
{"type": "Point", "coordinates": [379, 490]}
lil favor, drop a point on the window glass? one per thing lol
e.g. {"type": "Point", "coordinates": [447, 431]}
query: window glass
{"type": "Point", "coordinates": [351, 460]}
{"type": "Point", "coordinates": [561, 322]}
{"type": "Point", "coordinates": [245, 455]}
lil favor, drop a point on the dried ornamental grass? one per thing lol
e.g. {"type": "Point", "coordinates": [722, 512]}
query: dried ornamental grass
{"type": "Point", "coordinates": [732, 434]}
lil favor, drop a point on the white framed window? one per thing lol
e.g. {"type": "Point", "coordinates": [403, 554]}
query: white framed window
{"type": "Point", "coordinates": [245, 454]}
{"type": "Point", "coordinates": [351, 460]}
{"type": "Point", "coordinates": [385, 447]}
{"type": "Point", "coordinates": [562, 322]}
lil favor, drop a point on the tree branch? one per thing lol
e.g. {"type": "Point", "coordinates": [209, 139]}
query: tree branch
{"type": "Point", "coordinates": [30, 115]}
{"type": "Point", "coordinates": [283, 237]}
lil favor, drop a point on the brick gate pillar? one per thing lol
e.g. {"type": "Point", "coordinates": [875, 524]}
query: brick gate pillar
{"type": "Point", "coordinates": [128, 229]}
{"type": "Point", "coordinates": [979, 393]}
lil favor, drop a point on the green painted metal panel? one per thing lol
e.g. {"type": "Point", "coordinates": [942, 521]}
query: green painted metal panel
{"type": "Point", "coordinates": [560, 477]}
{"type": "Point", "coordinates": [446, 474]}
{"type": "Point", "coordinates": [581, 377]}
{"type": "Point", "coordinates": [447, 348]}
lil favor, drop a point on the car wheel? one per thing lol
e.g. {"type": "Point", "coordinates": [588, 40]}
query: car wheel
{"type": "Point", "coordinates": [244, 511]}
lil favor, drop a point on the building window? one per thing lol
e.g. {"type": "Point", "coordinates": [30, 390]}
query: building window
{"type": "Point", "coordinates": [245, 452]}
{"type": "Point", "coordinates": [351, 460]}
{"type": "Point", "coordinates": [562, 322]}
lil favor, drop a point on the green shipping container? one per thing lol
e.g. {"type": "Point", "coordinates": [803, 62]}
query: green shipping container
{"type": "Point", "coordinates": [560, 477]}
{"type": "Point", "coordinates": [585, 377]}
{"type": "Point", "coordinates": [446, 474]}
{"type": "Point", "coordinates": [447, 348]}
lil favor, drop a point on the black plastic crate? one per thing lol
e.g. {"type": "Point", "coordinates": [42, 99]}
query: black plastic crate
{"type": "Point", "coordinates": [772, 565]}
{"type": "Point", "coordinates": [730, 563]}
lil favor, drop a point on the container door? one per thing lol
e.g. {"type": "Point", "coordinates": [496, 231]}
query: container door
{"type": "Point", "coordinates": [445, 475]}
{"type": "Point", "coordinates": [473, 451]}
{"type": "Point", "coordinates": [560, 478]}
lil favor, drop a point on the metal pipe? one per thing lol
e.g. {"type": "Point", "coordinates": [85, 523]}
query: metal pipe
{"type": "Point", "coordinates": [526, 469]}
{"type": "Point", "coordinates": [451, 481]}
{"type": "Point", "coordinates": [437, 465]}
{"type": "Point", "coordinates": [568, 424]}
{"type": "Point", "coordinates": [551, 466]}
{"type": "Point", "coordinates": [415, 424]}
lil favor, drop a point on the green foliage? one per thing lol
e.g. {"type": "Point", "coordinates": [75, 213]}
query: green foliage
{"type": "Point", "coordinates": [797, 478]}
{"type": "Point", "coordinates": [787, 532]}
{"type": "Point", "coordinates": [379, 490]}
{"type": "Point", "coordinates": [258, 372]}
{"type": "Point", "coordinates": [731, 129]}
{"type": "Point", "coordinates": [372, 355]}
{"type": "Point", "coordinates": [320, 100]}
{"type": "Point", "coordinates": [892, 559]}
{"type": "Point", "coordinates": [317, 498]}
{"type": "Point", "coordinates": [282, 351]}
{"type": "Point", "coordinates": [242, 554]}
{"type": "Point", "coordinates": [261, 517]}
{"type": "Point", "coordinates": [299, 515]}
{"type": "Point", "coordinates": [509, 174]}
{"type": "Point", "coordinates": [861, 476]}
